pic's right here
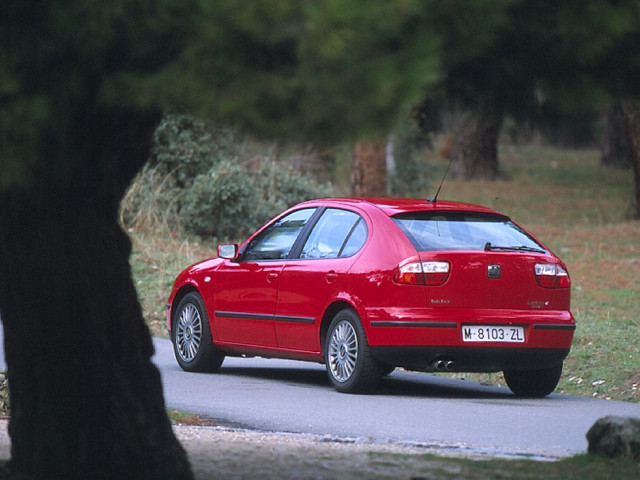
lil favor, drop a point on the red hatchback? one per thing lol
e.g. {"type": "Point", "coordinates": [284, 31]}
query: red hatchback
{"type": "Point", "coordinates": [367, 285]}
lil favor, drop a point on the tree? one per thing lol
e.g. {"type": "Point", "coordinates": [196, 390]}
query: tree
{"type": "Point", "coordinates": [528, 59]}
{"type": "Point", "coordinates": [631, 113]}
{"type": "Point", "coordinates": [82, 87]}
{"type": "Point", "coordinates": [474, 81]}
{"type": "Point", "coordinates": [326, 70]}
{"type": "Point", "coordinates": [615, 148]}
{"type": "Point", "coordinates": [474, 147]}
{"type": "Point", "coordinates": [86, 400]}
{"type": "Point", "coordinates": [369, 171]}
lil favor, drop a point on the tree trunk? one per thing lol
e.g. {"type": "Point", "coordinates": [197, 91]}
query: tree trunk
{"type": "Point", "coordinates": [369, 173]}
{"type": "Point", "coordinates": [474, 148]}
{"type": "Point", "coordinates": [631, 111]}
{"type": "Point", "coordinates": [86, 401]}
{"type": "Point", "coordinates": [616, 148]}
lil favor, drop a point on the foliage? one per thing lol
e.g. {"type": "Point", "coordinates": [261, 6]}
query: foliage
{"type": "Point", "coordinates": [536, 59]}
{"type": "Point", "coordinates": [324, 70]}
{"type": "Point", "coordinates": [4, 395]}
{"type": "Point", "coordinates": [185, 146]}
{"type": "Point", "coordinates": [60, 62]}
{"type": "Point", "coordinates": [195, 180]}
{"type": "Point", "coordinates": [230, 202]}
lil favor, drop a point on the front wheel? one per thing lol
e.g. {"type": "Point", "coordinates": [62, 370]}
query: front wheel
{"type": "Point", "coordinates": [533, 383]}
{"type": "Point", "coordinates": [191, 335]}
{"type": "Point", "coordinates": [350, 366]}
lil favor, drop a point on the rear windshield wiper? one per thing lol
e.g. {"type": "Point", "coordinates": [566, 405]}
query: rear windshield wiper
{"type": "Point", "coordinates": [521, 248]}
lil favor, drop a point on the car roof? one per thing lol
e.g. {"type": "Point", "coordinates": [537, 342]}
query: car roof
{"type": "Point", "coordinates": [394, 206]}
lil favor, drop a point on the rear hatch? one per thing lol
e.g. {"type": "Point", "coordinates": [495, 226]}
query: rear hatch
{"type": "Point", "coordinates": [493, 281]}
{"type": "Point", "coordinates": [491, 262]}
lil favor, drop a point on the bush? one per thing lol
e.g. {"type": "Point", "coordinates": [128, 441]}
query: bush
{"type": "Point", "coordinates": [230, 202]}
{"type": "Point", "coordinates": [185, 146]}
{"type": "Point", "coordinates": [194, 181]}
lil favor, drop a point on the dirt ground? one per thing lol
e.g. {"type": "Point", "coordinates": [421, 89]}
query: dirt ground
{"type": "Point", "coordinates": [217, 453]}
{"type": "Point", "coordinates": [229, 454]}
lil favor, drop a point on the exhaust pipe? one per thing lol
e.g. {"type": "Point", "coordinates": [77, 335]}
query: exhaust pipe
{"type": "Point", "coordinates": [442, 365]}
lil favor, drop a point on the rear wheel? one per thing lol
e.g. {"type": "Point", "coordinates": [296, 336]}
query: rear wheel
{"type": "Point", "coordinates": [533, 383]}
{"type": "Point", "coordinates": [191, 335]}
{"type": "Point", "coordinates": [350, 366]}
{"type": "Point", "coordinates": [386, 369]}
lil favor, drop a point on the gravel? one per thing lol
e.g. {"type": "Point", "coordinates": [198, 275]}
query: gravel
{"type": "Point", "coordinates": [222, 453]}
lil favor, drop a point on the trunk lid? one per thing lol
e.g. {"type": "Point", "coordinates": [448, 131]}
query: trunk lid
{"type": "Point", "coordinates": [494, 280]}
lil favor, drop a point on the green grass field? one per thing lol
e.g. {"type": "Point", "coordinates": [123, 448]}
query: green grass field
{"type": "Point", "coordinates": [576, 207]}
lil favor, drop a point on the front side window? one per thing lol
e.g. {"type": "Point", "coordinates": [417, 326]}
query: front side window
{"type": "Point", "coordinates": [464, 231]}
{"type": "Point", "coordinates": [338, 233]}
{"type": "Point", "coordinates": [276, 241]}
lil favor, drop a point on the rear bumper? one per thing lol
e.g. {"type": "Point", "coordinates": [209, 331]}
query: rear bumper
{"type": "Point", "coordinates": [432, 339]}
{"type": "Point", "coordinates": [402, 327]}
{"type": "Point", "coordinates": [469, 359]}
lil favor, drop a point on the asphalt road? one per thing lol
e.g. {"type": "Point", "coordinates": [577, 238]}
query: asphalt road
{"type": "Point", "coordinates": [409, 408]}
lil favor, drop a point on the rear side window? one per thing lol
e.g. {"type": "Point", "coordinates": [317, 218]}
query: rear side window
{"type": "Point", "coordinates": [338, 233]}
{"type": "Point", "coordinates": [429, 231]}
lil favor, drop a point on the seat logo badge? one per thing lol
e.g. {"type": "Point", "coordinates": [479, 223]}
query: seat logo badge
{"type": "Point", "coordinates": [493, 271]}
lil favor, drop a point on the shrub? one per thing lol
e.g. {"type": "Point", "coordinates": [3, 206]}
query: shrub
{"type": "Point", "coordinates": [185, 147]}
{"type": "Point", "coordinates": [194, 181]}
{"type": "Point", "coordinates": [230, 202]}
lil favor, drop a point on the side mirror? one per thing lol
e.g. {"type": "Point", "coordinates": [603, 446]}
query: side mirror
{"type": "Point", "coordinates": [228, 250]}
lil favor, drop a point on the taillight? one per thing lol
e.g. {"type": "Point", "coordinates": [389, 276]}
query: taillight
{"type": "Point", "coordinates": [552, 275]}
{"type": "Point", "coordinates": [423, 273]}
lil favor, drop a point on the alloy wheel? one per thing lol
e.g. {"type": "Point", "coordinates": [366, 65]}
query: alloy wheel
{"type": "Point", "coordinates": [343, 351]}
{"type": "Point", "coordinates": [188, 332]}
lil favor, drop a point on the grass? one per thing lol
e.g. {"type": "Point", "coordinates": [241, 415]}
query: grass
{"type": "Point", "coordinates": [576, 207]}
{"type": "Point", "coordinates": [575, 468]}
{"type": "Point", "coordinates": [581, 211]}
{"type": "Point", "coordinates": [157, 258]}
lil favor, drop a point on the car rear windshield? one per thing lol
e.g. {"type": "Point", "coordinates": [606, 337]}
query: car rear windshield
{"type": "Point", "coordinates": [429, 231]}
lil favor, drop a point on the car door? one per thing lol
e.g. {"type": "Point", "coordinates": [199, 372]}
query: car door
{"type": "Point", "coordinates": [246, 288]}
{"type": "Point", "coordinates": [310, 281]}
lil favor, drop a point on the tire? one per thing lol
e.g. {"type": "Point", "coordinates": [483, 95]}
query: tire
{"type": "Point", "coordinates": [350, 366]}
{"type": "Point", "coordinates": [386, 369]}
{"type": "Point", "coordinates": [533, 383]}
{"type": "Point", "coordinates": [191, 337]}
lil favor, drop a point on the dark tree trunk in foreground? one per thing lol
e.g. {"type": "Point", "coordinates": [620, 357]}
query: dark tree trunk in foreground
{"type": "Point", "coordinates": [369, 172]}
{"type": "Point", "coordinates": [86, 401]}
{"type": "Point", "coordinates": [631, 111]}
{"type": "Point", "coordinates": [474, 149]}
{"type": "Point", "coordinates": [616, 148]}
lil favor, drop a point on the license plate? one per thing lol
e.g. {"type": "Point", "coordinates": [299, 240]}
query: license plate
{"type": "Point", "coordinates": [492, 333]}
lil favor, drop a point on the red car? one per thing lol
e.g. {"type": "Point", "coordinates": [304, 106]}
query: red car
{"type": "Point", "coordinates": [367, 285]}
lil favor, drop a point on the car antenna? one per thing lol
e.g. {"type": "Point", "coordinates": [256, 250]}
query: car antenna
{"type": "Point", "coordinates": [435, 199]}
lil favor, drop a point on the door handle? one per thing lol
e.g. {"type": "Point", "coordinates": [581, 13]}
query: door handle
{"type": "Point", "coordinates": [271, 277]}
{"type": "Point", "coordinates": [331, 276]}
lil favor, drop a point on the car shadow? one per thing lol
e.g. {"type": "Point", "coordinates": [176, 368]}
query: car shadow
{"type": "Point", "coordinates": [416, 384]}
{"type": "Point", "coordinates": [400, 383]}
{"type": "Point", "coordinates": [295, 376]}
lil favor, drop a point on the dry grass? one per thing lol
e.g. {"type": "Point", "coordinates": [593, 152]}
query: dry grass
{"type": "Point", "coordinates": [577, 208]}
{"type": "Point", "coordinates": [581, 211]}
{"type": "Point", "coordinates": [156, 260]}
